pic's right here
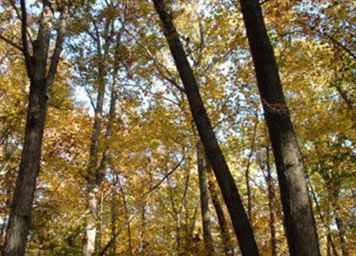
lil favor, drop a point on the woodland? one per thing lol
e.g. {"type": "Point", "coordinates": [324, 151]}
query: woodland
{"type": "Point", "coordinates": [177, 127]}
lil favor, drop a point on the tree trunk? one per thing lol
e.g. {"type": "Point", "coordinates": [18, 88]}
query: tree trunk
{"type": "Point", "coordinates": [225, 180]}
{"type": "Point", "coordinates": [298, 216]}
{"type": "Point", "coordinates": [127, 217]}
{"type": "Point", "coordinates": [270, 189]}
{"type": "Point", "coordinates": [204, 201]}
{"type": "Point", "coordinates": [224, 230]}
{"type": "Point", "coordinates": [93, 182]}
{"type": "Point", "coordinates": [20, 216]}
{"type": "Point", "coordinates": [90, 229]}
{"type": "Point", "coordinates": [247, 172]}
{"type": "Point", "coordinates": [41, 73]}
{"type": "Point", "coordinates": [114, 215]}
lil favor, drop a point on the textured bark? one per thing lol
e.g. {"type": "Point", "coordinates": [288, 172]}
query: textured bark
{"type": "Point", "coordinates": [40, 80]}
{"type": "Point", "coordinates": [215, 156]}
{"type": "Point", "coordinates": [204, 201]}
{"type": "Point", "coordinates": [224, 230]}
{"type": "Point", "coordinates": [21, 210]}
{"type": "Point", "coordinates": [298, 216]}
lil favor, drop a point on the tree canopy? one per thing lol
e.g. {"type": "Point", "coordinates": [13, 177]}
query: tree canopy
{"type": "Point", "coordinates": [215, 127]}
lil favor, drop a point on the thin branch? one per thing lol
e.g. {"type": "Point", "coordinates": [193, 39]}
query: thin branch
{"type": "Point", "coordinates": [13, 44]}
{"type": "Point", "coordinates": [165, 176]}
{"type": "Point", "coordinates": [57, 51]}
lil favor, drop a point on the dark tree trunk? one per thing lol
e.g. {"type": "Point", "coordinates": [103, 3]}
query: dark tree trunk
{"type": "Point", "coordinates": [298, 216]}
{"type": "Point", "coordinates": [20, 217]}
{"type": "Point", "coordinates": [215, 156]}
{"type": "Point", "coordinates": [204, 201]}
{"type": "Point", "coordinates": [41, 73]}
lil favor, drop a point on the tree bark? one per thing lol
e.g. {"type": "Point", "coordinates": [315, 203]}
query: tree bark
{"type": "Point", "coordinates": [298, 216]}
{"type": "Point", "coordinates": [41, 77]}
{"type": "Point", "coordinates": [204, 201]}
{"type": "Point", "coordinates": [215, 156]}
{"type": "Point", "coordinates": [21, 210]}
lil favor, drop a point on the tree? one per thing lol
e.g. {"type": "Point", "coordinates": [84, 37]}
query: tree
{"type": "Point", "coordinates": [204, 200]}
{"type": "Point", "coordinates": [298, 216]}
{"type": "Point", "coordinates": [41, 75]}
{"type": "Point", "coordinates": [225, 180]}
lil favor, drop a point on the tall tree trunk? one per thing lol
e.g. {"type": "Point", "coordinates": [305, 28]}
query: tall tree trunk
{"type": "Point", "coordinates": [323, 220]}
{"type": "Point", "coordinates": [99, 224]}
{"type": "Point", "coordinates": [127, 217]}
{"type": "Point", "coordinates": [204, 201]}
{"type": "Point", "coordinates": [93, 181]}
{"type": "Point", "coordinates": [298, 216]}
{"type": "Point", "coordinates": [247, 172]}
{"type": "Point", "coordinates": [114, 213]}
{"type": "Point", "coordinates": [20, 216]}
{"type": "Point", "coordinates": [271, 194]}
{"type": "Point", "coordinates": [224, 230]}
{"type": "Point", "coordinates": [41, 73]}
{"type": "Point", "coordinates": [215, 156]}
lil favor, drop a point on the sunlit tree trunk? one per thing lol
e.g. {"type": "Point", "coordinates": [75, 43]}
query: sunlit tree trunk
{"type": "Point", "coordinates": [215, 156]}
{"type": "Point", "coordinates": [298, 216]}
{"type": "Point", "coordinates": [93, 175]}
{"type": "Point", "coordinates": [204, 201]}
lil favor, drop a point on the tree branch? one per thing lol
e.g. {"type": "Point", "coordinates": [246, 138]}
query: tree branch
{"type": "Point", "coordinates": [9, 42]}
{"type": "Point", "coordinates": [25, 50]}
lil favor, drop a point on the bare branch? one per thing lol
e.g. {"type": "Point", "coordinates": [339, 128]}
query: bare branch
{"type": "Point", "coordinates": [165, 176]}
{"type": "Point", "coordinates": [9, 42]}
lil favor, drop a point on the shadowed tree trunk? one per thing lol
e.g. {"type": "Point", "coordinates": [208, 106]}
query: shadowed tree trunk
{"type": "Point", "coordinates": [298, 216]}
{"type": "Point", "coordinates": [271, 196]}
{"type": "Point", "coordinates": [224, 229]}
{"type": "Point", "coordinates": [41, 75]}
{"type": "Point", "coordinates": [215, 156]}
{"type": "Point", "coordinates": [204, 201]}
